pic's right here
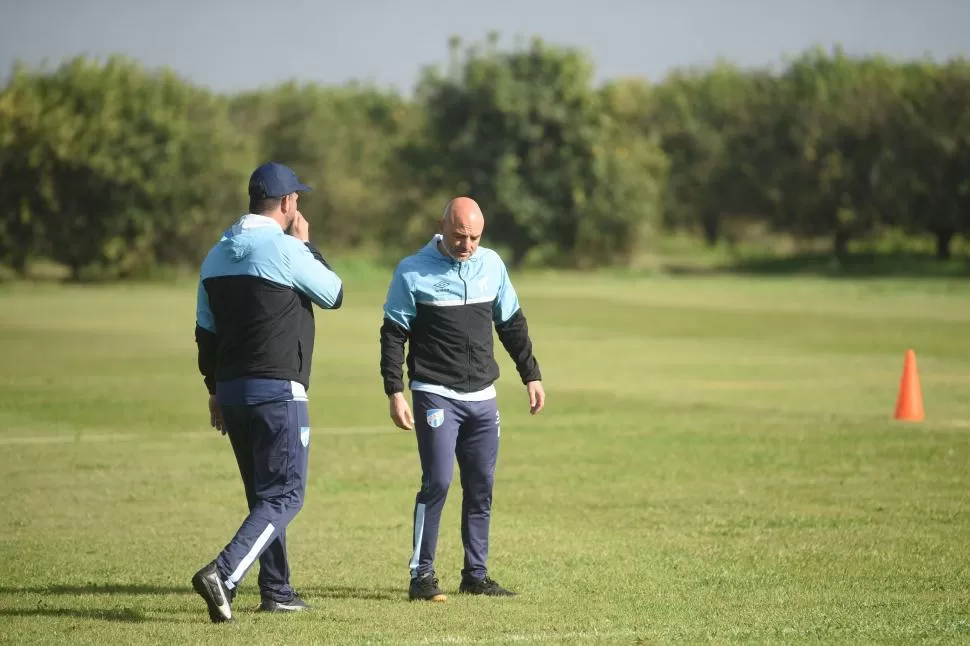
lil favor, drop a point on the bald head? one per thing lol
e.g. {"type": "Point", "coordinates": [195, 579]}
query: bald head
{"type": "Point", "coordinates": [463, 210]}
{"type": "Point", "coordinates": [462, 223]}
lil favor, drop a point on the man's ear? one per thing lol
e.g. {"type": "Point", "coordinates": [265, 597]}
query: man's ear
{"type": "Point", "coordinates": [289, 211]}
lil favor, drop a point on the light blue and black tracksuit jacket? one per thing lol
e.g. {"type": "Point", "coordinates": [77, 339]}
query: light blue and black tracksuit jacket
{"type": "Point", "coordinates": [254, 316]}
{"type": "Point", "coordinates": [445, 311]}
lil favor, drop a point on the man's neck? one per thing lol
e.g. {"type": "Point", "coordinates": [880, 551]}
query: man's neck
{"type": "Point", "coordinates": [275, 217]}
{"type": "Point", "coordinates": [444, 252]}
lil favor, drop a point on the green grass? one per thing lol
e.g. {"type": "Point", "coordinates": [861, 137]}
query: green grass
{"type": "Point", "coordinates": [717, 463]}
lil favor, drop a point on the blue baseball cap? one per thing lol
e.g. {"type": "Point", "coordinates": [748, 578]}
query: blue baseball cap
{"type": "Point", "coordinates": [274, 180]}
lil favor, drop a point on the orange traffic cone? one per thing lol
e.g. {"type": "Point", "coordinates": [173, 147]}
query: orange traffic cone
{"type": "Point", "coordinates": [909, 404]}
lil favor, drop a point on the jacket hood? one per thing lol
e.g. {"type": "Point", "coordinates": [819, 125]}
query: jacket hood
{"type": "Point", "coordinates": [239, 239]}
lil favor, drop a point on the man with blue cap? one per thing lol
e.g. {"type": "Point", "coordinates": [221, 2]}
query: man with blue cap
{"type": "Point", "coordinates": [255, 333]}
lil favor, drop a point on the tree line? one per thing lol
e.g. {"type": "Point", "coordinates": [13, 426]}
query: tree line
{"type": "Point", "coordinates": [112, 169]}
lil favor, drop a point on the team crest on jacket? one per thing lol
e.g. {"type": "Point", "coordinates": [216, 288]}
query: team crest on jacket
{"type": "Point", "coordinates": [436, 417]}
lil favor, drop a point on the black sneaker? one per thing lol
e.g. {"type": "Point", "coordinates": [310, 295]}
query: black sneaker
{"type": "Point", "coordinates": [296, 604]}
{"type": "Point", "coordinates": [426, 588]}
{"type": "Point", "coordinates": [484, 586]}
{"type": "Point", "coordinates": [210, 587]}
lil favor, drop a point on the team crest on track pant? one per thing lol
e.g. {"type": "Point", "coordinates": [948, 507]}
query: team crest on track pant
{"type": "Point", "coordinates": [447, 429]}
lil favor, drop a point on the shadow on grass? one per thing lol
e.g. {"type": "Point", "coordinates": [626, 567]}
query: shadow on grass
{"type": "Point", "coordinates": [125, 615]}
{"type": "Point", "coordinates": [137, 589]}
{"type": "Point", "coordinates": [97, 588]}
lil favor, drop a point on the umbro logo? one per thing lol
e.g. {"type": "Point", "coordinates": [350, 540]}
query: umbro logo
{"type": "Point", "coordinates": [441, 285]}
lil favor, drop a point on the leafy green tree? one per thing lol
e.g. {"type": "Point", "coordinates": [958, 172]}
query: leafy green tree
{"type": "Point", "coordinates": [927, 174]}
{"type": "Point", "coordinates": [836, 110]}
{"type": "Point", "coordinates": [692, 113]}
{"type": "Point", "coordinates": [21, 166]}
{"type": "Point", "coordinates": [343, 142]}
{"type": "Point", "coordinates": [524, 132]}
{"type": "Point", "coordinates": [123, 167]}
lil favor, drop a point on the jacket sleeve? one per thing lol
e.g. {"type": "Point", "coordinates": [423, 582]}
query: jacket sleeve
{"type": "Point", "coordinates": [513, 329]}
{"type": "Point", "coordinates": [313, 276]}
{"type": "Point", "coordinates": [206, 339]}
{"type": "Point", "coordinates": [399, 312]}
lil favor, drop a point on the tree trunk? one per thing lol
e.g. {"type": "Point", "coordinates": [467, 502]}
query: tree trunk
{"type": "Point", "coordinates": [519, 252]}
{"type": "Point", "coordinates": [840, 244]}
{"type": "Point", "coordinates": [712, 229]}
{"type": "Point", "coordinates": [943, 239]}
{"type": "Point", "coordinates": [19, 262]}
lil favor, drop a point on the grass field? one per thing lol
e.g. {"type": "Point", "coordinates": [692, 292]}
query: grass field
{"type": "Point", "coordinates": [717, 463]}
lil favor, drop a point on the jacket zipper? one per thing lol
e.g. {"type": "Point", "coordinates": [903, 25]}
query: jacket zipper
{"type": "Point", "coordinates": [468, 339]}
{"type": "Point", "coordinates": [464, 285]}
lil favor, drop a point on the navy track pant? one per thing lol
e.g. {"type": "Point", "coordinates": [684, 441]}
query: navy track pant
{"type": "Point", "coordinates": [445, 429]}
{"type": "Point", "coordinates": [271, 442]}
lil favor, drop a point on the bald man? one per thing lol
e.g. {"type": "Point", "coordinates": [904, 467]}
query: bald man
{"type": "Point", "coordinates": [443, 302]}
